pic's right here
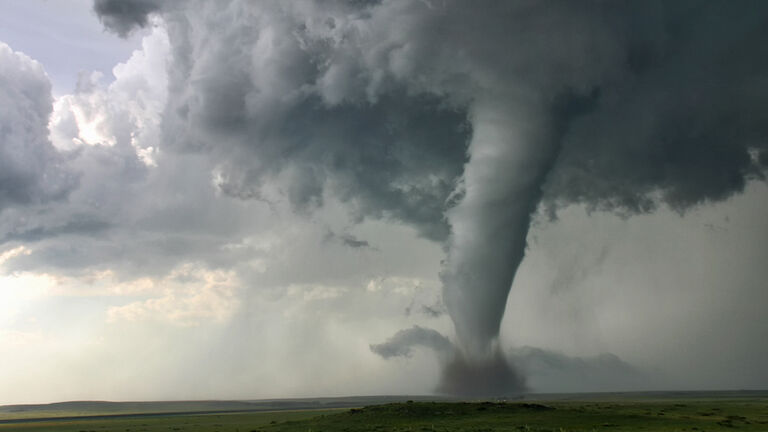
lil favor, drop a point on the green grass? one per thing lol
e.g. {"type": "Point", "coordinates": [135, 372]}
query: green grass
{"type": "Point", "coordinates": [667, 415]}
{"type": "Point", "coordinates": [729, 415]}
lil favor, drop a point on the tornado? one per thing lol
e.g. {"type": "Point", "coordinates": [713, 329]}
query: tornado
{"type": "Point", "coordinates": [513, 147]}
{"type": "Point", "coordinates": [510, 154]}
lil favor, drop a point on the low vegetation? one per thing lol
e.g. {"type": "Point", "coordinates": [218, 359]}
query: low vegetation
{"type": "Point", "coordinates": [560, 416]}
{"type": "Point", "coordinates": [544, 417]}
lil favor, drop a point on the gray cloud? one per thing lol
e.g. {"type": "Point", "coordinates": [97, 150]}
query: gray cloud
{"type": "Point", "coordinates": [644, 96]}
{"type": "Point", "coordinates": [77, 226]}
{"type": "Point", "coordinates": [31, 170]}
{"type": "Point", "coordinates": [396, 159]}
{"type": "Point", "coordinates": [120, 211]}
{"type": "Point", "coordinates": [122, 16]}
{"type": "Point", "coordinates": [463, 120]}
{"type": "Point", "coordinates": [681, 125]}
{"type": "Point", "coordinates": [549, 371]}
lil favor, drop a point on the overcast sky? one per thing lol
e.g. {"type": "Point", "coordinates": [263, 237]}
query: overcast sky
{"type": "Point", "coordinates": [235, 199]}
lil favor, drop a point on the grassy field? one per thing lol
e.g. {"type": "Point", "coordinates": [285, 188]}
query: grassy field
{"type": "Point", "coordinates": [235, 422]}
{"type": "Point", "coordinates": [745, 415]}
{"type": "Point", "coordinates": [732, 414]}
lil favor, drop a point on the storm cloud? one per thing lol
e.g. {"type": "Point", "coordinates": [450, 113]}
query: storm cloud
{"type": "Point", "coordinates": [31, 170]}
{"type": "Point", "coordinates": [463, 120]}
{"type": "Point", "coordinates": [123, 16]}
{"type": "Point", "coordinates": [550, 371]}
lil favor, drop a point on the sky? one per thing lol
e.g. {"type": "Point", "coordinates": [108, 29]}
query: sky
{"type": "Point", "coordinates": [240, 200]}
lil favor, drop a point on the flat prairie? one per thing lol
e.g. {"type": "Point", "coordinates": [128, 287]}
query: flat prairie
{"type": "Point", "coordinates": [700, 412]}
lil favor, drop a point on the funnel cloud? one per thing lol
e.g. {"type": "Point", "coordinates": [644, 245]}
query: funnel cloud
{"type": "Point", "coordinates": [465, 119]}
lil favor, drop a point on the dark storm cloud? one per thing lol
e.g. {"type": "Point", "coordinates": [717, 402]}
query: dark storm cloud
{"type": "Point", "coordinates": [122, 16]}
{"type": "Point", "coordinates": [82, 225]}
{"type": "Point", "coordinates": [685, 123]}
{"type": "Point", "coordinates": [396, 159]}
{"type": "Point", "coordinates": [31, 170]}
{"type": "Point", "coordinates": [550, 371]}
{"type": "Point", "coordinates": [676, 117]}
{"type": "Point", "coordinates": [463, 120]}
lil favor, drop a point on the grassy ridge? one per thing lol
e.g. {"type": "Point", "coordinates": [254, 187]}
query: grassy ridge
{"type": "Point", "coordinates": [98, 408]}
{"type": "Point", "coordinates": [95, 408]}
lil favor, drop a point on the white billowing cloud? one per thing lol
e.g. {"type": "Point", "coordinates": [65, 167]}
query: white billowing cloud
{"type": "Point", "coordinates": [128, 109]}
{"type": "Point", "coordinates": [189, 296]}
{"type": "Point", "coordinates": [104, 283]}
{"type": "Point", "coordinates": [82, 118]}
{"type": "Point", "coordinates": [10, 253]}
{"type": "Point", "coordinates": [107, 138]}
{"type": "Point", "coordinates": [151, 210]}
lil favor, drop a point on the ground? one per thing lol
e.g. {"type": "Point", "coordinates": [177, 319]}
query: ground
{"type": "Point", "coordinates": [614, 415]}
